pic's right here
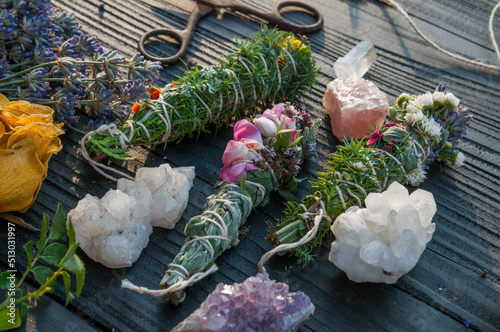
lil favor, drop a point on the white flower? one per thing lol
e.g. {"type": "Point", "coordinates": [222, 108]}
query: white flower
{"type": "Point", "coordinates": [452, 99]}
{"type": "Point", "coordinates": [266, 126]}
{"type": "Point", "coordinates": [439, 97]}
{"type": "Point", "coordinates": [358, 166]}
{"type": "Point", "coordinates": [411, 118]}
{"type": "Point", "coordinates": [415, 177]}
{"type": "Point", "coordinates": [413, 108]}
{"type": "Point", "coordinates": [425, 100]}
{"type": "Point", "coordinates": [459, 159]}
{"type": "Point", "coordinates": [429, 128]}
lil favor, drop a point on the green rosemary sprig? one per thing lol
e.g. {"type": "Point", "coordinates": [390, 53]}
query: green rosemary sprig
{"type": "Point", "coordinates": [49, 249]}
{"type": "Point", "coordinates": [356, 170]}
{"type": "Point", "coordinates": [274, 65]}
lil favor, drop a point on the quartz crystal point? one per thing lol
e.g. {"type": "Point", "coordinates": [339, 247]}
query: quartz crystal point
{"type": "Point", "coordinates": [355, 106]}
{"type": "Point", "coordinates": [385, 240]}
{"type": "Point", "coordinates": [113, 230]}
{"type": "Point", "coordinates": [357, 62]}
{"type": "Point", "coordinates": [257, 304]}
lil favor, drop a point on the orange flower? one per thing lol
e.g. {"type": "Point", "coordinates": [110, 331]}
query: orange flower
{"type": "Point", "coordinates": [281, 62]}
{"type": "Point", "coordinates": [135, 108]}
{"type": "Point", "coordinates": [154, 93]}
{"type": "Point", "coordinates": [174, 84]}
{"type": "Point", "coordinates": [28, 139]}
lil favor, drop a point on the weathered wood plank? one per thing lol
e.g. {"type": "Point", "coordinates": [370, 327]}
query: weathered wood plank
{"type": "Point", "coordinates": [443, 290]}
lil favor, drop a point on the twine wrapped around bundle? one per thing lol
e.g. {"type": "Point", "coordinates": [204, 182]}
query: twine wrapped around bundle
{"type": "Point", "coordinates": [209, 234]}
{"type": "Point", "coordinates": [274, 65]}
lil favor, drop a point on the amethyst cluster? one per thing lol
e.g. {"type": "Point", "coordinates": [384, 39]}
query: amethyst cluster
{"type": "Point", "coordinates": [46, 59]}
{"type": "Point", "coordinates": [257, 304]}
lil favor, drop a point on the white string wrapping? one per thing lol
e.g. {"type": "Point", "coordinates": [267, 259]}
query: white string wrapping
{"type": "Point", "coordinates": [289, 246]}
{"type": "Point", "coordinates": [479, 63]}
{"type": "Point", "coordinates": [224, 236]}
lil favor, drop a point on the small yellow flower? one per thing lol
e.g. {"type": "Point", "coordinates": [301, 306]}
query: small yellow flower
{"type": "Point", "coordinates": [28, 138]}
{"type": "Point", "coordinates": [293, 43]}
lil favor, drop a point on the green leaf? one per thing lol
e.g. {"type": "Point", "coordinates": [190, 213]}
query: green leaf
{"type": "Point", "coordinates": [42, 273]}
{"type": "Point", "coordinates": [4, 281]}
{"type": "Point", "coordinates": [67, 286]}
{"type": "Point", "coordinates": [69, 254]}
{"type": "Point", "coordinates": [71, 234]}
{"type": "Point", "coordinates": [58, 229]}
{"type": "Point", "coordinates": [28, 248]}
{"type": "Point", "coordinates": [286, 195]}
{"type": "Point", "coordinates": [69, 298]}
{"type": "Point", "coordinates": [9, 320]}
{"type": "Point", "coordinates": [80, 278]}
{"type": "Point", "coordinates": [75, 265]}
{"type": "Point", "coordinates": [54, 253]}
{"type": "Point", "coordinates": [42, 242]}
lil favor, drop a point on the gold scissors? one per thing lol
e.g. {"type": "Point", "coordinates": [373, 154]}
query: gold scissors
{"type": "Point", "coordinates": [205, 7]}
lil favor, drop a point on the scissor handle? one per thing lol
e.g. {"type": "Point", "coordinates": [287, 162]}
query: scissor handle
{"type": "Point", "coordinates": [183, 37]}
{"type": "Point", "coordinates": [178, 35]}
{"type": "Point", "coordinates": [277, 19]}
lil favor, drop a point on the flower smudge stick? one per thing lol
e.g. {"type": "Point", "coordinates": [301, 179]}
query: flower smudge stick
{"type": "Point", "coordinates": [274, 65]}
{"type": "Point", "coordinates": [263, 156]}
{"type": "Point", "coordinates": [422, 130]}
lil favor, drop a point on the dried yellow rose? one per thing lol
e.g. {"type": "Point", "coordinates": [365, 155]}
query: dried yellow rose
{"type": "Point", "coordinates": [28, 138]}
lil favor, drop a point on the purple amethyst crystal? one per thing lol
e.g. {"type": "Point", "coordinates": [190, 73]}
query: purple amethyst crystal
{"type": "Point", "coordinates": [257, 304]}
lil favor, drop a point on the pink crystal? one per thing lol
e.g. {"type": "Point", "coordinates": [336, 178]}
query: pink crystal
{"type": "Point", "coordinates": [355, 107]}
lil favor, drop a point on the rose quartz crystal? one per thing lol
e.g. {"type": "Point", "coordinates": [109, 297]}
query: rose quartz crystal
{"type": "Point", "coordinates": [355, 107]}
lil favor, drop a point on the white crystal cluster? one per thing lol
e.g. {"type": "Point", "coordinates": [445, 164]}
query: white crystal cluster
{"type": "Point", "coordinates": [385, 240]}
{"type": "Point", "coordinates": [113, 230]}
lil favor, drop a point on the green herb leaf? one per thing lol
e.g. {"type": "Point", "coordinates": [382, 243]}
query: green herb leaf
{"type": "Point", "coordinates": [4, 281]}
{"type": "Point", "coordinates": [74, 264]}
{"type": "Point", "coordinates": [28, 248]}
{"type": "Point", "coordinates": [54, 253]}
{"type": "Point", "coordinates": [42, 273]}
{"type": "Point", "coordinates": [58, 229]}
{"type": "Point", "coordinates": [9, 320]}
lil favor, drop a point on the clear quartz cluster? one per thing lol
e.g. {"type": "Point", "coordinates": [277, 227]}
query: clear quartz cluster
{"type": "Point", "coordinates": [357, 62]}
{"type": "Point", "coordinates": [385, 240]}
{"type": "Point", "coordinates": [257, 304]}
{"type": "Point", "coordinates": [113, 230]}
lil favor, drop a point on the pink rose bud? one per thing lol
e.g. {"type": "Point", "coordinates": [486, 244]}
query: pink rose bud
{"type": "Point", "coordinates": [244, 129]}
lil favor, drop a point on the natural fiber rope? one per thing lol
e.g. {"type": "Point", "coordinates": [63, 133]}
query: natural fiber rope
{"type": "Point", "coordinates": [394, 4]}
{"type": "Point", "coordinates": [490, 26]}
{"type": "Point", "coordinates": [320, 214]}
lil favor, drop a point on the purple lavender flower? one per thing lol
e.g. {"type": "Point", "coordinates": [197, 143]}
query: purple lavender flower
{"type": "Point", "coordinates": [69, 48]}
{"type": "Point", "coordinates": [88, 45]}
{"type": "Point", "coordinates": [65, 106]}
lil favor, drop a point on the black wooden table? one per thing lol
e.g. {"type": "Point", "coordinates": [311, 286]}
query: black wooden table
{"type": "Point", "coordinates": [439, 294]}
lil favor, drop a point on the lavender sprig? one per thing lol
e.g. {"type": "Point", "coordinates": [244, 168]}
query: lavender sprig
{"type": "Point", "coordinates": [46, 59]}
